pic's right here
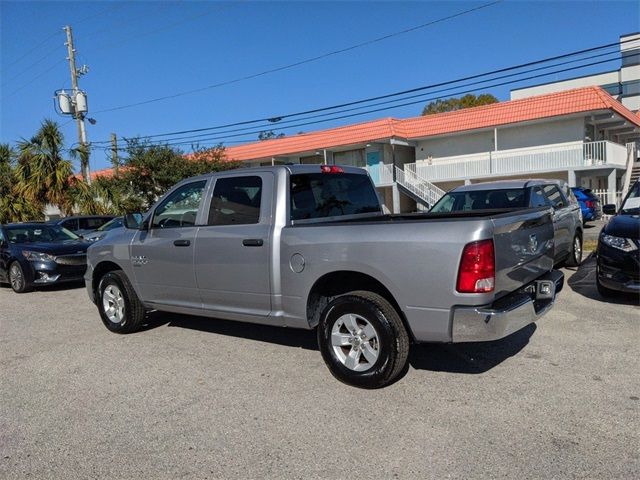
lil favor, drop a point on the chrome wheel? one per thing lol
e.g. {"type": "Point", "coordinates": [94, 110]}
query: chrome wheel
{"type": "Point", "coordinates": [15, 277]}
{"type": "Point", "coordinates": [577, 250]}
{"type": "Point", "coordinates": [355, 342]}
{"type": "Point", "coordinates": [113, 304]}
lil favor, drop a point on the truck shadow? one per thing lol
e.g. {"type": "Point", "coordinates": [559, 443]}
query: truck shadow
{"type": "Point", "coordinates": [470, 358]}
{"type": "Point", "coordinates": [583, 282]}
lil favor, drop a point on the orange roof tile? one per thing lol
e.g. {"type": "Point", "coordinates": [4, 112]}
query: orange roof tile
{"type": "Point", "coordinates": [487, 116]}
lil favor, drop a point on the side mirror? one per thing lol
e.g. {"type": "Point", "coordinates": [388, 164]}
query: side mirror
{"type": "Point", "coordinates": [609, 209]}
{"type": "Point", "coordinates": [134, 221]}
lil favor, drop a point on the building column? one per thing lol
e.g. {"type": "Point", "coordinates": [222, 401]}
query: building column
{"type": "Point", "coordinates": [611, 186]}
{"type": "Point", "coordinates": [396, 198]}
{"type": "Point", "coordinates": [571, 178]}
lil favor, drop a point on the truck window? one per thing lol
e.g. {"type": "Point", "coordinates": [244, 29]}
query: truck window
{"type": "Point", "coordinates": [320, 195]}
{"type": "Point", "coordinates": [180, 208]}
{"type": "Point", "coordinates": [553, 194]}
{"type": "Point", "coordinates": [537, 198]}
{"type": "Point", "coordinates": [236, 201]}
{"type": "Point", "coordinates": [480, 200]}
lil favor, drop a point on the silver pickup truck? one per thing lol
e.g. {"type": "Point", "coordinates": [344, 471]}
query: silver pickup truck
{"type": "Point", "coordinates": [307, 246]}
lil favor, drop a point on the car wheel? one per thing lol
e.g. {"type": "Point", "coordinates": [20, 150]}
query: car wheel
{"type": "Point", "coordinates": [17, 279]}
{"type": "Point", "coordinates": [363, 340]}
{"type": "Point", "coordinates": [575, 257]}
{"type": "Point", "coordinates": [120, 308]}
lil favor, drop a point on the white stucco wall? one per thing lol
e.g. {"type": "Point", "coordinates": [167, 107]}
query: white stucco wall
{"type": "Point", "coordinates": [463, 144]}
{"type": "Point", "coordinates": [547, 133]}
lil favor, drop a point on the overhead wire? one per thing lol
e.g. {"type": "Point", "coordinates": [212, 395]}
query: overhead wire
{"type": "Point", "coordinates": [301, 62]}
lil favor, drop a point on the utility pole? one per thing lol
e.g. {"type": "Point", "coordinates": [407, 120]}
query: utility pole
{"type": "Point", "coordinates": [114, 153]}
{"type": "Point", "coordinates": [78, 115]}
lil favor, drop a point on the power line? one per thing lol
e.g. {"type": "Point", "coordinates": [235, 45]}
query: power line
{"type": "Point", "coordinates": [219, 139]}
{"type": "Point", "coordinates": [279, 118]}
{"type": "Point", "coordinates": [33, 49]}
{"type": "Point", "coordinates": [302, 62]}
{"type": "Point", "coordinates": [35, 78]}
{"type": "Point", "coordinates": [47, 55]}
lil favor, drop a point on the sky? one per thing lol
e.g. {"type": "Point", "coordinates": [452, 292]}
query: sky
{"type": "Point", "coordinates": [137, 51]}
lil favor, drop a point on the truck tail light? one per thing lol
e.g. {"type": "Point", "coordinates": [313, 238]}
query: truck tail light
{"type": "Point", "coordinates": [477, 272]}
{"type": "Point", "coordinates": [331, 169]}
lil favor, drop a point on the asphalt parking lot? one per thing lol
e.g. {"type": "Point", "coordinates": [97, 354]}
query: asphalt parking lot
{"type": "Point", "coordinates": [198, 398]}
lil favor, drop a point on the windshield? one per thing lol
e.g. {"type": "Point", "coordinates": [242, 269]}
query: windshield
{"type": "Point", "coordinates": [110, 225]}
{"type": "Point", "coordinates": [38, 233]}
{"type": "Point", "coordinates": [631, 204]}
{"type": "Point", "coordinates": [480, 200]}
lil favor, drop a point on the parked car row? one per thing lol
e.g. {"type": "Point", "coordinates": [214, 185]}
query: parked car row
{"type": "Point", "coordinates": [590, 205]}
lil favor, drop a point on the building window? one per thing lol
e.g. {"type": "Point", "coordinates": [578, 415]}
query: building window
{"type": "Point", "coordinates": [352, 158]}
{"type": "Point", "coordinates": [312, 160]}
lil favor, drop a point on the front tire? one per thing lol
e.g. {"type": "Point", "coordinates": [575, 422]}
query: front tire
{"type": "Point", "coordinates": [363, 340]}
{"type": "Point", "coordinates": [575, 257]}
{"type": "Point", "coordinates": [120, 308]}
{"type": "Point", "coordinates": [17, 279]}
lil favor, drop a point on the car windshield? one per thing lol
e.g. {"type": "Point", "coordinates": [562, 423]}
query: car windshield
{"type": "Point", "coordinates": [110, 225]}
{"type": "Point", "coordinates": [480, 200]}
{"type": "Point", "coordinates": [632, 203]}
{"type": "Point", "coordinates": [38, 233]}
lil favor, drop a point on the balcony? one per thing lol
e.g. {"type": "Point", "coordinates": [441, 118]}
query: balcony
{"type": "Point", "coordinates": [574, 155]}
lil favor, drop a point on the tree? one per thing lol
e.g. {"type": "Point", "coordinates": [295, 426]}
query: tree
{"type": "Point", "coordinates": [455, 103]}
{"type": "Point", "coordinates": [269, 135]}
{"type": "Point", "coordinates": [149, 170]}
{"type": "Point", "coordinates": [43, 175]}
{"type": "Point", "coordinates": [13, 206]}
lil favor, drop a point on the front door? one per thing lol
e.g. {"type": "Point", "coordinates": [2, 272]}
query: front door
{"type": "Point", "coordinates": [162, 256]}
{"type": "Point", "coordinates": [232, 253]}
{"type": "Point", "coordinates": [373, 165]}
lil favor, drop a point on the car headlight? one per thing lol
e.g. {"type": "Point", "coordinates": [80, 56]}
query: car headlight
{"type": "Point", "coordinates": [621, 243]}
{"type": "Point", "coordinates": [38, 256]}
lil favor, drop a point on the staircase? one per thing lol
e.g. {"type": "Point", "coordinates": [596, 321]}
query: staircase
{"type": "Point", "coordinates": [633, 168]}
{"type": "Point", "coordinates": [421, 190]}
{"type": "Point", "coordinates": [635, 173]}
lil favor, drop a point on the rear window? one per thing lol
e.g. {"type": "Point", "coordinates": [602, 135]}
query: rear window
{"type": "Point", "coordinates": [480, 200]}
{"type": "Point", "coordinates": [321, 195]}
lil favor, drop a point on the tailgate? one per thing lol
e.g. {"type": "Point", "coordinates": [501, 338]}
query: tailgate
{"type": "Point", "coordinates": [523, 248]}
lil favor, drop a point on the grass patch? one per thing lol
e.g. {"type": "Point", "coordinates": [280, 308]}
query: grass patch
{"type": "Point", "coordinates": [590, 245]}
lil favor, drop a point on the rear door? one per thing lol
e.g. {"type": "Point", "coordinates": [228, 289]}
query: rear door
{"type": "Point", "coordinates": [562, 221]}
{"type": "Point", "coordinates": [233, 249]}
{"type": "Point", "coordinates": [162, 256]}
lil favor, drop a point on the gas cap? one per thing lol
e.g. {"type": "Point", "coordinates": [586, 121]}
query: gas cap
{"type": "Point", "coordinates": [296, 263]}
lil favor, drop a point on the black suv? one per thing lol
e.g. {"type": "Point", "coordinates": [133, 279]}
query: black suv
{"type": "Point", "coordinates": [618, 251]}
{"type": "Point", "coordinates": [82, 224]}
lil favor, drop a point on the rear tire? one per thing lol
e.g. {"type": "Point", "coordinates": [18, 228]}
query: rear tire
{"type": "Point", "coordinates": [120, 308]}
{"type": "Point", "coordinates": [363, 340]}
{"type": "Point", "coordinates": [17, 280]}
{"type": "Point", "coordinates": [575, 257]}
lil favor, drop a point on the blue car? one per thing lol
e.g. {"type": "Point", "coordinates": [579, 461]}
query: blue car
{"type": "Point", "coordinates": [33, 254]}
{"type": "Point", "coordinates": [589, 204]}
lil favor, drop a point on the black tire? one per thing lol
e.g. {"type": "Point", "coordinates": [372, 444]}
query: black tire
{"type": "Point", "coordinates": [575, 257]}
{"type": "Point", "coordinates": [17, 279]}
{"type": "Point", "coordinates": [133, 313]}
{"type": "Point", "coordinates": [392, 339]}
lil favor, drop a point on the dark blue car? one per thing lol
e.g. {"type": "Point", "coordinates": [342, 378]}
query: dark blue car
{"type": "Point", "coordinates": [589, 204]}
{"type": "Point", "coordinates": [34, 254]}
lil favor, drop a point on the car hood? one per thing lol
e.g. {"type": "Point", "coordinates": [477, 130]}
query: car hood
{"type": "Point", "coordinates": [55, 248]}
{"type": "Point", "coordinates": [627, 226]}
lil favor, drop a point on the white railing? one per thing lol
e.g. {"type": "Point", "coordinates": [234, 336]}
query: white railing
{"type": "Point", "coordinates": [607, 197]}
{"type": "Point", "coordinates": [523, 160]}
{"type": "Point", "coordinates": [420, 187]}
{"type": "Point", "coordinates": [381, 174]}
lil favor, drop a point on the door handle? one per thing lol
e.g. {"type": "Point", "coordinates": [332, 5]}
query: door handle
{"type": "Point", "coordinates": [182, 243]}
{"type": "Point", "coordinates": [252, 242]}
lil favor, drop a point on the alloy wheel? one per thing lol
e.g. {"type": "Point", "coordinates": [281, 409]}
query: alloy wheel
{"type": "Point", "coordinates": [113, 304]}
{"type": "Point", "coordinates": [15, 277]}
{"type": "Point", "coordinates": [355, 342]}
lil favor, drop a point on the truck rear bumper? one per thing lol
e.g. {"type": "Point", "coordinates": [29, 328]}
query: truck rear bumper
{"type": "Point", "coordinates": [506, 315]}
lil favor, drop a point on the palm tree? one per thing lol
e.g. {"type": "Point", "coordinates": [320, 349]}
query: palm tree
{"type": "Point", "coordinates": [43, 174]}
{"type": "Point", "coordinates": [13, 206]}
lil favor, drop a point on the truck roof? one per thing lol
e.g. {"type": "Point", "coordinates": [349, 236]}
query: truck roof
{"type": "Point", "coordinates": [506, 184]}
{"type": "Point", "coordinates": [293, 169]}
